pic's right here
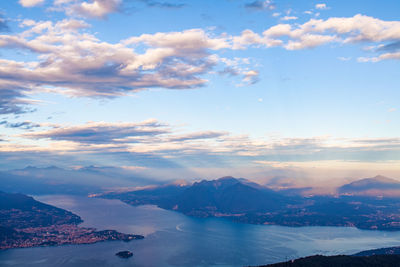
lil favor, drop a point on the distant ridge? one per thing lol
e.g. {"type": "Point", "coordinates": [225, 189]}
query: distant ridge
{"type": "Point", "coordinates": [243, 201]}
{"type": "Point", "coordinates": [375, 186]}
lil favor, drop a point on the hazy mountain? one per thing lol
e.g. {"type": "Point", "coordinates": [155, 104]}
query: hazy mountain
{"type": "Point", "coordinates": [227, 195]}
{"type": "Point", "coordinates": [376, 186]}
{"type": "Point", "coordinates": [247, 202]}
{"type": "Point", "coordinates": [162, 195]}
{"type": "Point", "coordinates": [54, 180]}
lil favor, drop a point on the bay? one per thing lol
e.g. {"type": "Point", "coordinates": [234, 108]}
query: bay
{"type": "Point", "coordinates": [173, 239]}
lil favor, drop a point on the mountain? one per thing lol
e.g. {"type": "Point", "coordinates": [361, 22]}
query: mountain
{"type": "Point", "coordinates": [162, 195]}
{"type": "Point", "coordinates": [227, 195]}
{"type": "Point", "coordinates": [376, 186]}
{"type": "Point", "coordinates": [244, 201]}
{"type": "Point", "coordinates": [83, 181]}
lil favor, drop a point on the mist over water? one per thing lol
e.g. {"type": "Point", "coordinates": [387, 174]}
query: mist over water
{"type": "Point", "coordinates": [173, 239]}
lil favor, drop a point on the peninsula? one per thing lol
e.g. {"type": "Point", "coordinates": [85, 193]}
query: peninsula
{"type": "Point", "coordinates": [25, 222]}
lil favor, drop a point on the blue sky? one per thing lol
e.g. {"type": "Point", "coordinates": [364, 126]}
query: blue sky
{"type": "Point", "coordinates": [202, 88]}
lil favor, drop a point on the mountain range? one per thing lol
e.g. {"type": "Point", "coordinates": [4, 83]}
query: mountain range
{"type": "Point", "coordinates": [244, 201]}
{"type": "Point", "coordinates": [80, 181]}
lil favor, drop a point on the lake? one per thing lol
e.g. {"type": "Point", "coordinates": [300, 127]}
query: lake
{"type": "Point", "coordinates": [173, 239]}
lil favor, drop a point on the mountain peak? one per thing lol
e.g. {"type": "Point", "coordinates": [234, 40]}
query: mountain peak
{"type": "Point", "coordinates": [226, 178]}
{"type": "Point", "coordinates": [383, 179]}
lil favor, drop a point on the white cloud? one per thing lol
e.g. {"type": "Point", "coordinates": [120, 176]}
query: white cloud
{"type": "Point", "coordinates": [261, 5]}
{"type": "Point", "coordinates": [316, 32]}
{"type": "Point", "coordinates": [289, 18]}
{"type": "Point", "coordinates": [309, 41]}
{"type": "Point", "coordinates": [344, 58]}
{"type": "Point", "coordinates": [385, 56]}
{"type": "Point", "coordinates": [31, 3]}
{"type": "Point", "coordinates": [321, 6]}
{"type": "Point", "coordinates": [251, 77]}
{"type": "Point", "coordinates": [175, 60]}
{"type": "Point", "coordinates": [98, 9]}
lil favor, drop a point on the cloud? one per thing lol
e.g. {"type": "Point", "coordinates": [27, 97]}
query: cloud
{"type": "Point", "coordinates": [344, 58]}
{"type": "Point", "coordinates": [251, 77]}
{"type": "Point", "coordinates": [171, 60]}
{"type": "Point", "coordinates": [385, 56]}
{"type": "Point", "coordinates": [261, 5]}
{"type": "Point", "coordinates": [321, 6]}
{"type": "Point", "coordinates": [391, 47]}
{"type": "Point", "coordinates": [197, 136]}
{"type": "Point", "coordinates": [12, 98]}
{"type": "Point", "coordinates": [3, 24]}
{"type": "Point", "coordinates": [154, 137]}
{"type": "Point", "coordinates": [151, 3]}
{"type": "Point", "coordinates": [159, 145]}
{"type": "Point", "coordinates": [289, 18]}
{"type": "Point", "coordinates": [248, 38]}
{"type": "Point", "coordinates": [102, 133]}
{"type": "Point", "coordinates": [317, 32]}
{"type": "Point", "coordinates": [174, 60]}
{"type": "Point", "coordinates": [30, 3]}
{"type": "Point", "coordinates": [26, 125]}
{"type": "Point", "coordinates": [309, 41]}
{"type": "Point", "coordinates": [98, 9]}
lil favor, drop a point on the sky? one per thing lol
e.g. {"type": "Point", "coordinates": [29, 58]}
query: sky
{"type": "Point", "coordinates": [188, 89]}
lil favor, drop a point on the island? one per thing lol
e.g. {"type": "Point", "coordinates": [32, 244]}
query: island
{"type": "Point", "coordinates": [124, 254]}
{"type": "Point", "coordinates": [25, 222]}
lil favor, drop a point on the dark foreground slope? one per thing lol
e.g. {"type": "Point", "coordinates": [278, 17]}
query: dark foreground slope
{"type": "Point", "coordinates": [342, 261]}
{"type": "Point", "coordinates": [25, 222]}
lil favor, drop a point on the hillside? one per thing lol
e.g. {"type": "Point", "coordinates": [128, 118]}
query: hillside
{"type": "Point", "coordinates": [341, 261]}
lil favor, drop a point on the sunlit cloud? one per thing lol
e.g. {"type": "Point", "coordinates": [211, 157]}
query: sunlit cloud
{"type": "Point", "coordinates": [31, 3]}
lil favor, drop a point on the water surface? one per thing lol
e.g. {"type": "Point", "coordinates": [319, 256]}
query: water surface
{"type": "Point", "coordinates": [173, 239]}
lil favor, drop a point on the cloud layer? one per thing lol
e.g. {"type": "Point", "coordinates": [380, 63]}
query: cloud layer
{"type": "Point", "coordinates": [171, 60]}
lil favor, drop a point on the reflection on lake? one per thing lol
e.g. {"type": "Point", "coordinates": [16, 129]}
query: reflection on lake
{"type": "Point", "coordinates": [173, 239]}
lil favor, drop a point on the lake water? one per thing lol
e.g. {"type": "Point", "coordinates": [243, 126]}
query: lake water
{"type": "Point", "coordinates": [173, 239]}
